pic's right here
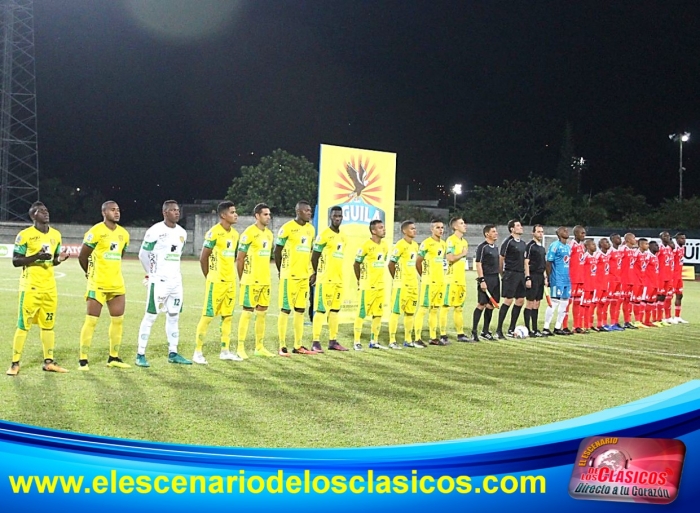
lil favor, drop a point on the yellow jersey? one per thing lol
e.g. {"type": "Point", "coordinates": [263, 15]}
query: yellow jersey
{"type": "Point", "coordinates": [331, 245]}
{"type": "Point", "coordinates": [404, 256]}
{"type": "Point", "coordinates": [105, 262]}
{"type": "Point", "coordinates": [456, 271]}
{"type": "Point", "coordinates": [433, 253]}
{"type": "Point", "coordinates": [372, 258]}
{"type": "Point", "coordinates": [296, 241]}
{"type": "Point", "coordinates": [257, 245]}
{"type": "Point", "coordinates": [222, 261]}
{"type": "Point", "coordinates": [38, 275]}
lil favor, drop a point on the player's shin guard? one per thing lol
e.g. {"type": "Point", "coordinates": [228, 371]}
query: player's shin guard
{"type": "Point", "coordinates": [201, 333]}
{"type": "Point", "coordinates": [408, 321]}
{"type": "Point", "coordinates": [282, 322]}
{"type": "Point", "coordinates": [443, 320]}
{"type": "Point", "coordinates": [48, 342]}
{"type": "Point", "coordinates": [86, 333]}
{"type": "Point", "coordinates": [298, 329]}
{"type": "Point", "coordinates": [376, 328]}
{"type": "Point", "coordinates": [357, 329]}
{"type": "Point", "coordinates": [243, 323]}
{"type": "Point", "coordinates": [18, 344]}
{"type": "Point", "coordinates": [393, 327]}
{"type": "Point", "coordinates": [317, 325]}
{"type": "Point", "coordinates": [116, 329]}
{"type": "Point", "coordinates": [145, 331]}
{"type": "Point", "coordinates": [418, 327]}
{"type": "Point", "coordinates": [259, 328]}
{"type": "Point", "coordinates": [459, 320]}
{"type": "Point", "coordinates": [226, 323]}
{"type": "Point", "coordinates": [433, 323]}
{"type": "Point", "coordinates": [333, 322]}
{"type": "Point", "coordinates": [172, 331]}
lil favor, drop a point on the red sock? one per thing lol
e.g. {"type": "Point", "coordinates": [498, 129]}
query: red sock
{"type": "Point", "coordinates": [678, 311]}
{"type": "Point", "coordinates": [667, 307]}
{"type": "Point", "coordinates": [627, 311]}
{"type": "Point", "coordinates": [659, 310]}
{"type": "Point", "coordinates": [638, 312]}
{"type": "Point", "coordinates": [602, 314]}
{"type": "Point", "coordinates": [565, 322]}
{"type": "Point", "coordinates": [647, 313]}
{"type": "Point", "coordinates": [576, 311]}
{"type": "Point", "coordinates": [615, 311]}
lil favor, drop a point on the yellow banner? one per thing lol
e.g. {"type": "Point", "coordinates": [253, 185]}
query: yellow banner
{"type": "Point", "coordinates": [689, 272]}
{"type": "Point", "coordinates": [362, 183]}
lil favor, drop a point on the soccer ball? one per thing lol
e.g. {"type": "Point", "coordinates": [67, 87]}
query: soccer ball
{"type": "Point", "coordinates": [521, 332]}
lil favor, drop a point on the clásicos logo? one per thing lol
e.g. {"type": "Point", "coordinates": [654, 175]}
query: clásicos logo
{"type": "Point", "coordinates": [644, 470]}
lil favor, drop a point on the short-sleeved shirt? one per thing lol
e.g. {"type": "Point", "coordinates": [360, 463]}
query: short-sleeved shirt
{"type": "Point", "coordinates": [679, 260]}
{"type": "Point", "coordinates": [559, 254]}
{"type": "Point", "coordinates": [513, 253]}
{"type": "Point", "coordinates": [642, 266]}
{"type": "Point", "coordinates": [404, 256]}
{"type": "Point", "coordinates": [105, 262]}
{"type": "Point", "coordinates": [665, 257]}
{"type": "Point", "coordinates": [456, 271]}
{"type": "Point", "coordinates": [591, 271]}
{"type": "Point", "coordinates": [604, 269]}
{"type": "Point", "coordinates": [372, 259]}
{"type": "Point", "coordinates": [578, 258]}
{"type": "Point", "coordinates": [296, 241]}
{"type": "Point", "coordinates": [535, 253]}
{"type": "Point", "coordinates": [222, 261]}
{"type": "Point", "coordinates": [165, 245]}
{"type": "Point", "coordinates": [38, 275]}
{"type": "Point", "coordinates": [257, 246]}
{"type": "Point", "coordinates": [331, 245]}
{"type": "Point", "coordinates": [487, 256]}
{"type": "Point", "coordinates": [628, 262]}
{"type": "Point", "coordinates": [616, 261]}
{"type": "Point", "coordinates": [433, 253]}
{"type": "Point", "coordinates": [653, 276]}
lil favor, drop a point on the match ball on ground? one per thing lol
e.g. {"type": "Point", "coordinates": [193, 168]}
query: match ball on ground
{"type": "Point", "coordinates": [521, 332]}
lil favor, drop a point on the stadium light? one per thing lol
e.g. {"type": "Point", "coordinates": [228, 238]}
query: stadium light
{"type": "Point", "coordinates": [681, 138]}
{"type": "Point", "coordinates": [456, 191]}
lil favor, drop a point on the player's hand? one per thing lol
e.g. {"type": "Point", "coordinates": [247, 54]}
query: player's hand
{"type": "Point", "coordinates": [528, 284]}
{"type": "Point", "coordinates": [43, 255]}
{"type": "Point", "coordinates": [312, 280]}
{"type": "Point", "coordinates": [145, 281]}
{"type": "Point", "coordinates": [63, 255]}
{"type": "Point", "coordinates": [483, 285]}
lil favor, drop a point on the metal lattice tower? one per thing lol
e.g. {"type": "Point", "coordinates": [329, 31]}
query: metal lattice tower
{"type": "Point", "coordinates": [19, 157]}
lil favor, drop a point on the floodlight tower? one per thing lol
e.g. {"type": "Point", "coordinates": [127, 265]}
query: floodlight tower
{"type": "Point", "coordinates": [19, 156]}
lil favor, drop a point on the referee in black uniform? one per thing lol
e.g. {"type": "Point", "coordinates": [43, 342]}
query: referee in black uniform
{"type": "Point", "coordinates": [514, 276]}
{"type": "Point", "coordinates": [535, 263]}
{"type": "Point", "coordinates": [487, 266]}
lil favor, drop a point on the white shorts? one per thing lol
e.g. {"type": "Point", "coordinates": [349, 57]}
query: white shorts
{"type": "Point", "coordinates": [164, 296]}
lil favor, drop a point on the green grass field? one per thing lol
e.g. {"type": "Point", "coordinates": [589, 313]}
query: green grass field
{"type": "Point", "coordinates": [330, 400]}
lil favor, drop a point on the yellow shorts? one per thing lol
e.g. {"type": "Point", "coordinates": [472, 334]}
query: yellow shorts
{"type": "Point", "coordinates": [219, 299]}
{"type": "Point", "coordinates": [37, 308]}
{"type": "Point", "coordinates": [104, 296]}
{"type": "Point", "coordinates": [404, 300]}
{"type": "Point", "coordinates": [253, 296]}
{"type": "Point", "coordinates": [455, 295]}
{"type": "Point", "coordinates": [432, 295]}
{"type": "Point", "coordinates": [293, 294]}
{"type": "Point", "coordinates": [371, 303]}
{"type": "Point", "coordinates": [329, 296]}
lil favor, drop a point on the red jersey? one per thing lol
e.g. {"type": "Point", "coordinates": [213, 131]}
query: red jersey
{"type": "Point", "coordinates": [666, 264]}
{"type": "Point", "coordinates": [642, 267]}
{"type": "Point", "coordinates": [576, 262]}
{"type": "Point", "coordinates": [629, 256]}
{"type": "Point", "coordinates": [604, 276]}
{"type": "Point", "coordinates": [616, 258]}
{"type": "Point", "coordinates": [679, 257]}
{"type": "Point", "coordinates": [653, 276]}
{"type": "Point", "coordinates": [590, 271]}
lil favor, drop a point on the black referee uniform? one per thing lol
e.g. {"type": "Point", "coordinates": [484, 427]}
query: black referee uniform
{"type": "Point", "coordinates": [535, 253]}
{"type": "Point", "coordinates": [513, 286]}
{"type": "Point", "coordinates": [487, 256]}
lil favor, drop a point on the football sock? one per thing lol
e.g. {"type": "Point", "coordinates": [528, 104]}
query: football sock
{"type": "Point", "coordinates": [488, 314]}
{"type": "Point", "coordinates": [667, 307]}
{"type": "Point", "coordinates": [408, 321]}
{"type": "Point", "coordinates": [458, 319]}
{"type": "Point", "coordinates": [86, 333]}
{"type": "Point", "coordinates": [145, 331]}
{"type": "Point", "coordinates": [443, 320]}
{"type": "Point", "coordinates": [615, 311]}
{"type": "Point", "coordinates": [418, 328]}
{"type": "Point", "coordinates": [259, 328]}
{"type": "Point", "coordinates": [298, 328]}
{"type": "Point", "coordinates": [576, 311]}
{"type": "Point", "coordinates": [317, 325]}
{"type": "Point", "coordinates": [393, 327]}
{"type": "Point", "coordinates": [601, 314]}
{"type": "Point", "coordinates": [48, 341]}
{"type": "Point", "coordinates": [243, 323]}
{"type": "Point", "coordinates": [376, 327]}
{"type": "Point", "coordinates": [226, 332]}
{"type": "Point", "coordinates": [172, 331]}
{"type": "Point", "coordinates": [638, 312]}
{"type": "Point", "coordinates": [626, 311]}
{"type": "Point", "coordinates": [18, 344]}
{"type": "Point", "coordinates": [561, 313]}
{"type": "Point", "coordinates": [514, 314]}
{"type": "Point", "coordinates": [357, 329]}
{"type": "Point", "coordinates": [678, 311]}
{"type": "Point", "coordinates": [549, 312]}
{"type": "Point", "coordinates": [116, 329]}
{"type": "Point", "coordinates": [502, 316]}
{"type": "Point", "coordinates": [282, 321]}
{"type": "Point", "coordinates": [527, 314]}
{"type": "Point", "coordinates": [333, 322]}
{"type": "Point", "coordinates": [201, 332]}
{"type": "Point", "coordinates": [476, 317]}
{"type": "Point", "coordinates": [534, 313]}
{"type": "Point", "coordinates": [659, 310]}
{"type": "Point", "coordinates": [433, 323]}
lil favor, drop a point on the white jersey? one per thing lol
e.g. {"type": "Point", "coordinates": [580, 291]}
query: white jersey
{"type": "Point", "coordinates": [161, 250]}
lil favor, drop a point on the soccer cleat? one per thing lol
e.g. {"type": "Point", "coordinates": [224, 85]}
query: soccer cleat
{"type": "Point", "coordinates": [13, 370]}
{"type": "Point", "coordinates": [681, 321]}
{"type": "Point", "coordinates": [486, 335]}
{"type": "Point", "coordinates": [475, 336]}
{"type": "Point", "coordinates": [659, 324]}
{"type": "Point", "coordinates": [117, 363]}
{"type": "Point", "coordinates": [51, 366]}
{"type": "Point", "coordinates": [511, 333]}
{"type": "Point", "coordinates": [263, 352]}
{"type": "Point", "coordinates": [376, 345]}
{"type": "Point", "coordinates": [303, 350]}
{"type": "Point", "coordinates": [83, 365]}
{"type": "Point", "coordinates": [604, 329]}
{"type": "Point", "coordinates": [463, 338]}
{"type": "Point", "coordinates": [547, 333]}
{"type": "Point", "coordinates": [242, 353]}
{"type": "Point", "coordinates": [394, 345]}
{"type": "Point", "coordinates": [500, 335]}
{"type": "Point", "coordinates": [437, 342]}
{"type": "Point", "coordinates": [283, 352]}
{"type": "Point", "coordinates": [629, 326]}
{"type": "Point", "coordinates": [419, 344]}
{"type": "Point", "coordinates": [443, 338]}
{"type": "Point", "coordinates": [578, 331]}
{"type": "Point", "coordinates": [537, 334]}
{"type": "Point", "coordinates": [559, 331]}
{"type": "Point", "coordinates": [177, 358]}
{"type": "Point", "coordinates": [141, 361]}
{"type": "Point", "coordinates": [617, 327]}
{"type": "Point", "coordinates": [357, 346]}
{"type": "Point", "coordinates": [333, 345]}
{"type": "Point", "coordinates": [409, 344]}
{"type": "Point", "coordinates": [671, 320]}
{"type": "Point", "coordinates": [198, 358]}
{"type": "Point", "coordinates": [316, 346]}
{"type": "Point", "coordinates": [595, 328]}
{"type": "Point", "coordinates": [233, 357]}
{"type": "Point", "coordinates": [567, 331]}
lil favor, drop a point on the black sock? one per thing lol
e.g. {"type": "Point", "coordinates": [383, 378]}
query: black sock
{"type": "Point", "coordinates": [502, 317]}
{"type": "Point", "coordinates": [533, 319]}
{"type": "Point", "coordinates": [476, 318]}
{"type": "Point", "coordinates": [488, 313]}
{"type": "Point", "coordinates": [526, 315]}
{"type": "Point", "coordinates": [514, 316]}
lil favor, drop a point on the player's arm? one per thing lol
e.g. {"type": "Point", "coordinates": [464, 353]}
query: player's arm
{"type": "Point", "coordinates": [60, 255]}
{"type": "Point", "coordinates": [84, 255]}
{"type": "Point", "coordinates": [204, 260]}
{"type": "Point", "coordinates": [20, 260]}
{"type": "Point", "coordinates": [240, 261]}
{"type": "Point", "coordinates": [480, 269]}
{"type": "Point", "coordinates": [279, 246]}
{"type": "Point", "coordinates": [526, 265]}
{"type": "Point", "coordinates": [145, 252]}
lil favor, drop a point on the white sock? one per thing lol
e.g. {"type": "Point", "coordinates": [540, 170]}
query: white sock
{"type": "Point", "coordinates": [563, 307]}
{"type": "Point", "coordinates": [145, 331]}
{"type": "Point", "coordinates": [549, 313]}
{"type": "Point", "coordinates": [172, 331]}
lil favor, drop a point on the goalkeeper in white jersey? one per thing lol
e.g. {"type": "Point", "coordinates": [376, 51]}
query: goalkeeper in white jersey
{"type": "Point", "coordinates": [160, 256]}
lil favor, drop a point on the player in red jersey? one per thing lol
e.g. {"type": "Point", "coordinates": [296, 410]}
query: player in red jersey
{"type": "Point", "coordinates": [666, 270]}
{"type": "Point", "coordinates": [589, 270]}
{"type": "Point", "coordinates": [679, 254]}
{"type": "Point", "coordinates": [628, 279]}
{"type": "Point", "coordinates": [604, 285]}
{"type": "Point", "coordinates": [654, 284]}
{"type": "Point", "coordinates": [615, 290]}
{"type": "Point", "coordinates": [641, 263]}
{"type": "Point", "coordinates": [576, 274]}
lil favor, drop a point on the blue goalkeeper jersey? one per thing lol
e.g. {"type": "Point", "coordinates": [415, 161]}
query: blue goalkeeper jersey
{"type": "Point", "coordinates": [559, 255]}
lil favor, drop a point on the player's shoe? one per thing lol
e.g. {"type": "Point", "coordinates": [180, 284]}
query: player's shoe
{"type": "Point", "coordinates": [83, 365]}
{"type": "Point", "coordinates": [198, 358]}
{"type": "Point", "coordinates": [232, 357]}
{"type": "Point", "coordinates": [567, 331]}
{"type": "Point", "coordinates": [475, 336]}
{"type": "Point", "coordinates": [547, 333]}
{"type": "Point", "coordinates": [242, 353]}
{"type": "Point", "coordinates": [443, 338]}
{"type": "Point", "coordinates": [376, 345]}
{"type": "Point", "coordinates": [603, 329]}
{"type": "Point", "coordinates": [178, 358]}
{"type": "Point", "coordinates": [637, 324]}
{"type": "Point", "coordinates": [463, 338]}
{"type": "Point", "coordinates": [578, 331]}
{"type": "Point", "coordinates": [117, 363]}
{"type": "Point", "coordinates": [500, 335]}
{"type": "Point", "coordinates": [141, 361]}
{"type": "Point", "coordinates": [357, 346]}
{"type": "Point", "coordinates": [617, 327]}
{"type": "Point", "coordinates": [51, 366]}
{"type": "Point", "coordinates": [303, 350]}
{"type": "Point", "coordinates": [13, 370]}
{"type": "Point", "coordinates": [671, 320]}
{"type": "Point", "coordinates": [486, 335]}
{"type": "Point", "coordinates": [419, 344]}
{"type": "Point", "coordinates": [681, 321]}
{"type": "Point", "coordinates": [263, 352]}
{"type": "Point", "coordinates": [537, 334]}
{"type": "Point", "coordinates": [283, 352]}
{"type": "Point", "coordinates": [629, 326]}
{"type": "Point", "coordinates": [659, 324]}
{"type": "Point", "coordinates": [316, 346]}
{"type": "Point", "coordinates": [394, 345]}
{"type": "Point", "coordinates": [333, 345]}
{"type": "Point", "coordinates": [559, 331]}
{"type": "Point", "coordinates": [409, 344]}
{"type": "Point", "coordinates": [595, 329]}
{"type": "Point", "coordinates": [437, 342]}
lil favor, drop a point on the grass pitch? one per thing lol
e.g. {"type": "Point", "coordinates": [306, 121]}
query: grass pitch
{"type": "Point", "coordinates": [331, 400]}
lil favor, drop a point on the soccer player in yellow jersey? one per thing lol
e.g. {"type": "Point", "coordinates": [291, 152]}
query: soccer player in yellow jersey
{"type": "Point", "coordinates": [101, 259]}
{"type": "Point", "coordinates": [37, 251]}
{"type": "Point", "coordinates": [253, 266]}
{"type": "Point", "coordinates": [293, 260]}
{"type": "Point", "coordinates": [456, 286]}
{"type": "Point", "coordinates": [404, 299]}
{"type": "Point", "coordinates": [218, 263]}
{"type": "Point", "coordinates": [431, 266]}
{"type": "Point", "coordinates": [327, 262]}
{"type": "Point", "coordinates": [370, 264]}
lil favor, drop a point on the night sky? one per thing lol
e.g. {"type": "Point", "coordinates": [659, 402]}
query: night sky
{"type": "Point", "coordinates": [148, 100]}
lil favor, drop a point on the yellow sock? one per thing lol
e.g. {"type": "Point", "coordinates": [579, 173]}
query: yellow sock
{"type": "Point", "coordinates": [408, 321]}
{"type": "Point", "coordinates": [282, 328]}
{"type": "Point", "coordinates": [243, 323]}
{"type": "Point", "coordinates": [298, 328]}
{"type": "Point", "coordinates": [459, 321]}
{"type": "Point", "coordinates": [86, 334]}
{"type": "Point", "coordinates": [333, 325]}
{"type": "Point", "coordinates": [18, 344]}
{"type": "Point", "coordinates": [376, 328]}
{"type": "Point", "coordinates": [393, 327]}
{"type": "Point", "coordinates": [48, 341]}
{"type": "Point", "coordinates": [443, 320]}
{"type": "Point", "coordinates": [201, 333]}
{"type": "Point", "coordinates": [357, 328]}
{"type": "Point", "coordinates": [260, 328]}
{"type": "Point", "coordinates": [319, 320]}
{"type": "Point", "coordinates": [116, 329]}
{"type": "Point", "coordinates": [226, 332]}
{"type": "Point", "coordinates": [418, 327]}
{"type": "Point", "coordinates": [433, 323]}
